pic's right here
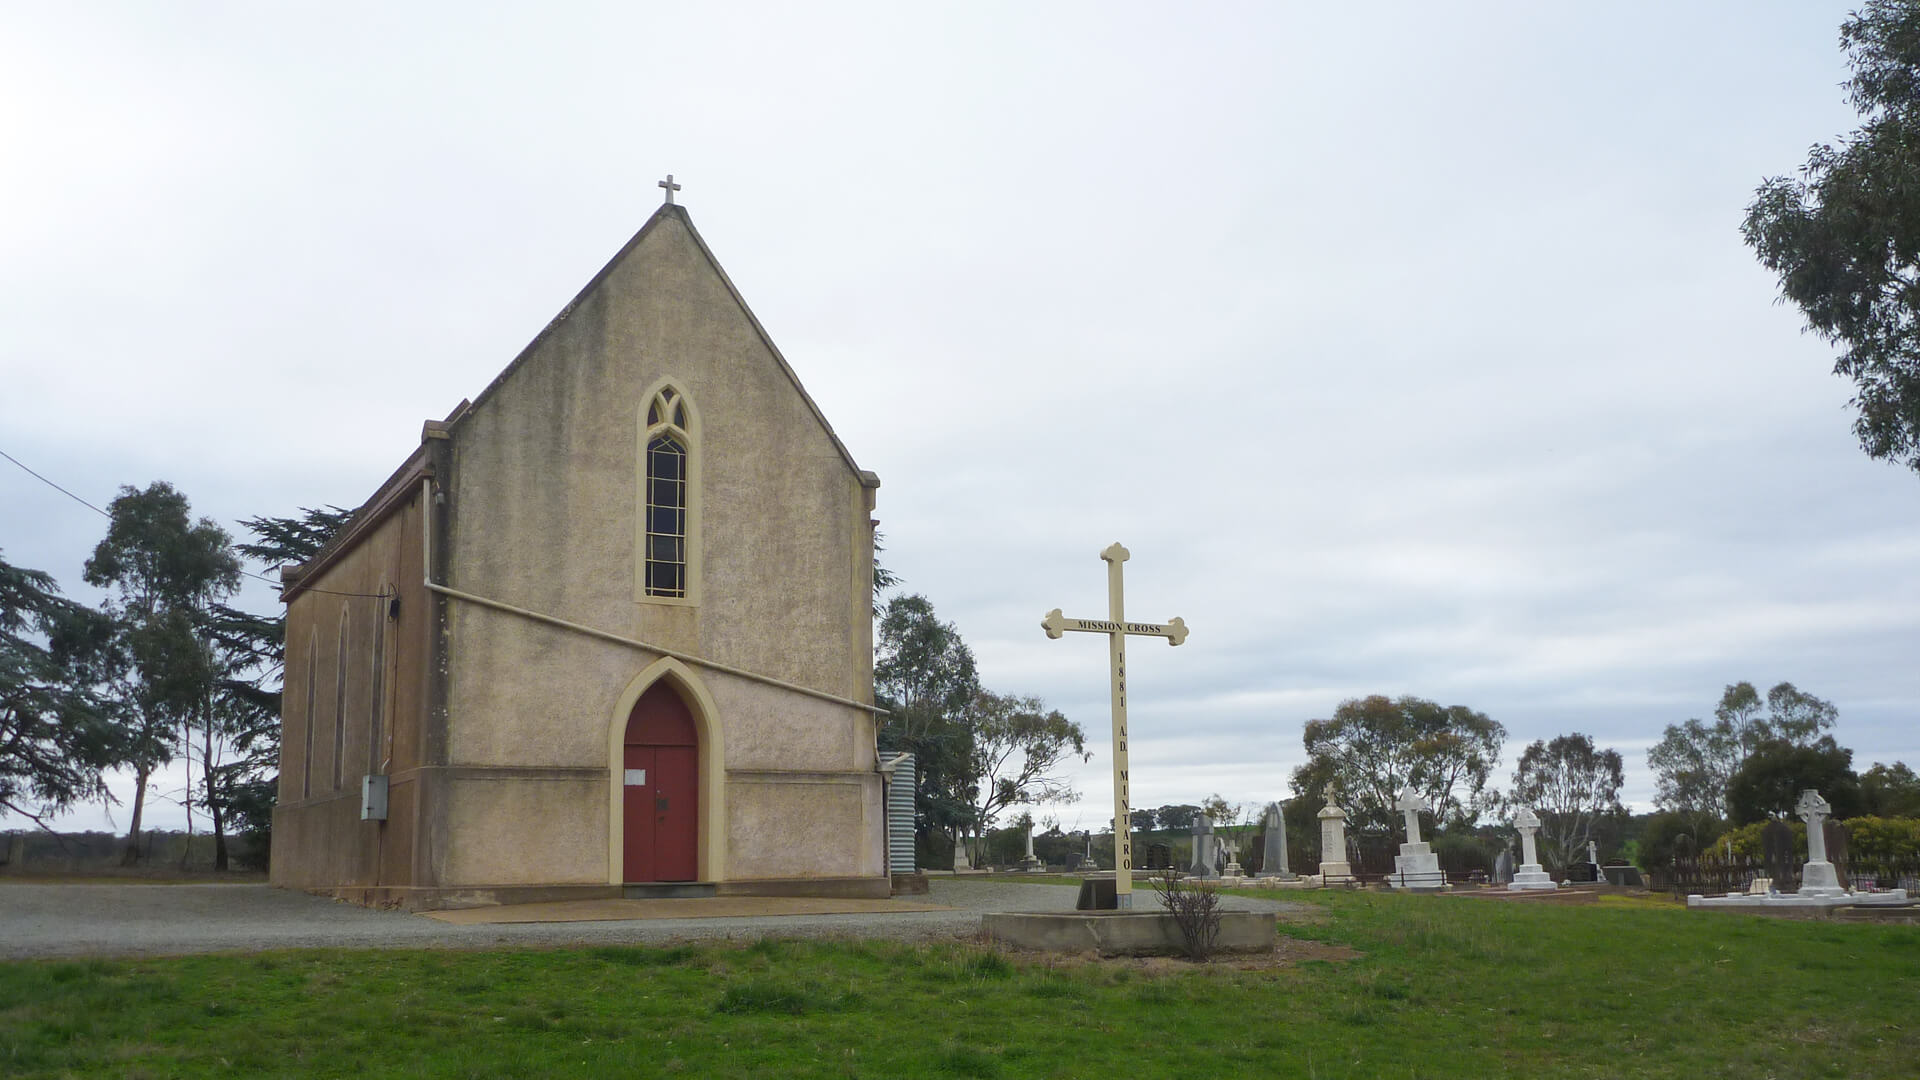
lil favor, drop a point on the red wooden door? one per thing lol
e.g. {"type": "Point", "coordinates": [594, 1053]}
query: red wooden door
{"type": "Point", "coordinates": [660, 813]}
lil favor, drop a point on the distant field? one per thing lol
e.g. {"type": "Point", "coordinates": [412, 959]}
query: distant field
{"type": "Point", "coordinates": [1363, 986]}
{"type": "Point", "coordinates": [140, 876]}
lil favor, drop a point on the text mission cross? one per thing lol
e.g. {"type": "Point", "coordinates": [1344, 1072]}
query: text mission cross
{"type": "Point", "coordinates": [1116, 627]}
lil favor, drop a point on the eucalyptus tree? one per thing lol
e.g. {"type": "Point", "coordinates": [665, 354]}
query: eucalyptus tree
{"type": "Point", "coordinates": [1695, 761]}
{"type": "Point", "coordinates": [1016, 746]}
{"type": "Point", "coordinates": [1372, 747]}
{"type": "Point", "coordinates": [925, 677]}
{"type": "Point", "coordinates": [1571, 784]}
{"type": "Point", "coordinates": [1844, 236]}
{"type": "Point", "coordinates": [165, 572]}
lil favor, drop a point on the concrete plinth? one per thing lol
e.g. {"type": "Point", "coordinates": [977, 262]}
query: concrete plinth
{"type": "Point", "coordinates": [1800, 900]}
{"type": "Point", "coordinates": [1417, 868]}
{"type": "Point", "coordinates": [1123, 933]}
{"type": "Point", "coordinates": [1820, 879]}
{"type": "Point", "coordinates": [1531, 876]}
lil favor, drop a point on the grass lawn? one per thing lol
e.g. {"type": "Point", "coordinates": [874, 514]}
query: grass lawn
{"type": "Point", "coordinates": [1369, 986]}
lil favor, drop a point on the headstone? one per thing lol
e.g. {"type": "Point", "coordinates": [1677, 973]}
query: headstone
{"type": "Point", "coordinates": [1273, 856]}
{"type": "Point", "coordinates": [1582, 873]}
{"type": "Point", "coordinates": [1837, 850]}
{"type": "Point", "coordinates": [1226, 855]}
{"type": "Point", "coordinates": [1333, 842]}
{"type": "Point", "coordinates": [1777, 850]}
{"type": "Point", "coordinates": [1029, 861]}
{"type": "Point", "coordinates": [1624, 874]}
{"type": "Point", "coordinates": [1820, 887]}
{"type": "Point", "coordinates": [1159, 857]}
{"type": "Point", "coordinates": [1203, 849]}
{"type": "Point", "coordinates": [1503, 867]}
{"type": "Point", "coordinates": [1416, 867]}
{"type": "Point", "coordinates": [1530, 875]}
{"type": "Point", "coordinates": [960, 861]}
{"type": "Point", "coordinates": [1586, 872]}
{"type": "Point", "coordinates": [1818, 877]}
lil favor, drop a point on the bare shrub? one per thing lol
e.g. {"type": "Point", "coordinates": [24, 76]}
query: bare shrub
{"type": "Point", "coordinates": [1195, 908]}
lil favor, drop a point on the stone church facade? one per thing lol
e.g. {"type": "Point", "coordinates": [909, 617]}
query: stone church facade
{"type": "Point", "coordinates": [610, 625]}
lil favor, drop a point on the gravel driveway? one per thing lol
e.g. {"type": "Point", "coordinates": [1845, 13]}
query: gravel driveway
{"type": "Point", "coordinates": [137, 920]}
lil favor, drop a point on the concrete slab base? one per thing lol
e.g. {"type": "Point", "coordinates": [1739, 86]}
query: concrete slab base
{"type": "Point", "coordinates": [1123, 933]}
{"type": "Point", "coordinates": [1531, 876]}
{"type": "Point", "coordinates": [1258, 882]}
{"type": "Point", "coordinates": [1790, 901]}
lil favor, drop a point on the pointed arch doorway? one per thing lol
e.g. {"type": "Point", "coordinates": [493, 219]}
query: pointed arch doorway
{"type": "Point", "coordinates": [660, 811]}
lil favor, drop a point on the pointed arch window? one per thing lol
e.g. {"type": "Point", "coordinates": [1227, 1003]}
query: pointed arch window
{"type": "Point", "coordinates": [313, 675]}
{"type": "Point", "coordinates": [340, 703]}
{"type": "Point", "coordinates": [669, 498]}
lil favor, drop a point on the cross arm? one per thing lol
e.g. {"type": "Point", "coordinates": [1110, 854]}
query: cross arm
{"type": "Point", "coordinates": [1056, 624]}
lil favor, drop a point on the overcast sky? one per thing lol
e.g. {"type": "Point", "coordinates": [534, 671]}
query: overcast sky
{"type": "Point", "coordinates": [1411, 348]}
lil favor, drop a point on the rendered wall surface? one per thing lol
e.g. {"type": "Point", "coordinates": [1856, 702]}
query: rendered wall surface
{"type": "Point", "coordinates": [516, 829]}
{"type": "Point", "coordinates": [318, 837]}
{"type": "Point", "coordinates": [542, 511]}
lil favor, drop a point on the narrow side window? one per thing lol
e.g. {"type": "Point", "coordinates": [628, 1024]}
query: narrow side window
{"type": "Point", "coordinates": [340, 704]}
{"type": "Point", "coordinates": [306, 757]}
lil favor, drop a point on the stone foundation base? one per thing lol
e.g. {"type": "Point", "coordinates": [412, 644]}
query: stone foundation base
{"type": "Point", "coordinates": [447, 898]}
{"type": "Point", "coordinates": [412, 898]}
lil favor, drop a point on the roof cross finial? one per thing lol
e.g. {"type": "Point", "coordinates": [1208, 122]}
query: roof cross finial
{"type": "Point", "coordinates": [670, 186]}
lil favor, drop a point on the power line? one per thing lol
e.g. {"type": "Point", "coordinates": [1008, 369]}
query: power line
{"type": "Point", "coordinates": [104, 514]}
{"type": "Point", "coordinates": [55, 486]}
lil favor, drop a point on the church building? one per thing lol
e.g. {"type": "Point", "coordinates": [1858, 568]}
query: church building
{"type": "Point", "coordinates": [606, 632]}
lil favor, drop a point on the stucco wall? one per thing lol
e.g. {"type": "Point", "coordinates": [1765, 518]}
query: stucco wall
{"type": "Point", "coordinates": [541, 510]}
{"type": "Point", "coordinates": [525, 830]}
{"type": "Point", "coordinates": [318, 837]}
{"type": "Point", "coordinates": [798, 827]}
{"type": "Point", "coordinates": [543, 487]}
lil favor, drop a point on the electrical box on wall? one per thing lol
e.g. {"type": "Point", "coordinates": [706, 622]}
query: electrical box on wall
{"type": "Point", "coordinates": [373, 797]}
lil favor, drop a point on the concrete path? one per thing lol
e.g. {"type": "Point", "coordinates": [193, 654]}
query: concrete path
{"type": "Point", "coordinates": [144, 920]}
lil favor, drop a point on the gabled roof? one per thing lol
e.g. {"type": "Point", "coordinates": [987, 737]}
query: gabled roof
{"type": "Point", "coordinates": [673, 210]}
{"type": "Point", "coordinates": [388, 495]}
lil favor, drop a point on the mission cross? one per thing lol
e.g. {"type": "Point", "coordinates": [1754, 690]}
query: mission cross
{"type": "Point", "coordinates": [1116, 627]}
